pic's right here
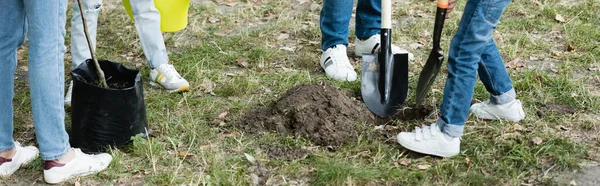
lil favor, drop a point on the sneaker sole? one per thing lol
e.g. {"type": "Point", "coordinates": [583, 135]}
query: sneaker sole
{"type": "Point", "coordinates": [180, 89]}
{"type": "Point", "coordinates": [22, 164]}
{"type": "Point", "coordinates": [73, 176]}
{"type": "Point", "coordinates": [443, 154]}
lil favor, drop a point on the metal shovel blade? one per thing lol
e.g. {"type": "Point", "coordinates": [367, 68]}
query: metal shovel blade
{"type": "Point", "coordinates": [384, 84]}
{"type": "Point", "coordinates": [428, 74]}
{"type": "Point", "coordinates": [436, 57]}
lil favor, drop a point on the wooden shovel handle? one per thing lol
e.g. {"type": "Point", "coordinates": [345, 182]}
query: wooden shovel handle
{"type": "Point", "coordinates": [442, 4]}
{"type": "Point", "coordinates": [386, 14]}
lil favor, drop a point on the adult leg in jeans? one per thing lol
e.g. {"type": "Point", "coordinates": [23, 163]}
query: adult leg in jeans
{"type": "Point", "coordinates": [12, 35]}
{"type": "Point", "coordinates": [46, 31]}
{"type": "Point", "coordinates": [470, 43]}
{"type": "Point", "coordinates": [368, 18]}
{"type": "Point", "coordinates": [334, 20]}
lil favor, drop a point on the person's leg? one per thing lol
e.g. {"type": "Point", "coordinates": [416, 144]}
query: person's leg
{"type": "Point", "coordinates": [475, 30]}
{"type": "Point", "coordinates": [79, 46]}
{"type": "Point", "coordinates": [46, 25]}
{"type": "Point", "coordinates": [502, 103]}
{"type": "Point", "coordinates": [368, 27]}
{"type": "Point", "coordinates": [473, 37]}
{"type": "Point", "coordinates": [147, 24]}
{"type": "Point", "coordinates": [334, 20]}
{"type": "Point", "coordinates": [46, 31]}
{"type": "Point", "coordinates": [12, 35]}
{"type": "Point", "coordinates": [368, 18]}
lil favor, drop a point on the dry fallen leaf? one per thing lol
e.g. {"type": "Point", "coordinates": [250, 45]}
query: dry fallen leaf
{"type": "Point", "coordinates": [242, 62]}
{"type": "Point", "coordinates": [405, 162]}
{"type": "Point", "coordinates": [250, 158]}
{"type": "Point", "coordinates": [536, 140]}
{"type": "Point", "coordinates": [186, 155]}
{"type": "Point", "coordinates": [569, 48]}
{"type": "Point", "coordinates": [364, 154]}
{"type": "Point", "coordinates": [207, 86]}
{"type": "Point", "coordinates": [563, 128]}
{"type": "Point", "coordinates": [227, 134]}
{"type": "Point", "coordinates": [515, 64]}
{"type": "Point", "coordinates": [573, 182]}
{"type": "Point", "coordinates": [559, 18]}
{"type": "Point", "coordinates": [468, 161]}
{"type": "Point", "coordinates": [213, 19]}
{"type": "Point", "coordinates": [423, 166]}
{"type": "Point", "coordinates": [594, 69]}
{"type": "Point", "coordinates": [556, 53]}
{"type": "Point", "coordinates": [423, 41]}
{"type": "Point", "coordinates": [391, 127]}
{"type": "Point", "coordinates": [283, 36]}
{"type": "Point", "coordinates": [518, 127]}
{"type": "Point", "coordinates": [415, 46]}
{"type": "Point", "coordinates": [222, 115]}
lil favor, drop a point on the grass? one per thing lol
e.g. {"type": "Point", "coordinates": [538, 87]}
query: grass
{"type": "Point", "coordinates": [280, 40]}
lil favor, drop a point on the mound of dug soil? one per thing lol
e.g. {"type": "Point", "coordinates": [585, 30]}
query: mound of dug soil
{"type": "Point", "coordinates": [317, 111]}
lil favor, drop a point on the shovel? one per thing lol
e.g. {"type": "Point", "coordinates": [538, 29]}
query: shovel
{"type": "Point", "coordinates": [384, 84]}
{"type": "Point", "coordinates": [436, 57]}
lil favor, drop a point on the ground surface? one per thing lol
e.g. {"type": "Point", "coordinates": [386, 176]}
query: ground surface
{"type": "Point", "coordinates": [242, 56]}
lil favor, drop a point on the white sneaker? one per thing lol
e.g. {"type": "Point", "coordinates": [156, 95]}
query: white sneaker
{"type": "Point", "coordinates": [166, 76]}
{"type": "Point", "coordinates": [512, 111]}
{"type": "Point", "coordinates": [69, 95]}
{"type": "Point", "coordinates": [336, 64]}
{"type": "Point", "coordinates": [23, 156]}
{"type": "Point", "coordinates": [81, 165]}
{"type": "Point", "coordinates": [430, 140]}
{"type": "Point", "coordinates": [372, 44]}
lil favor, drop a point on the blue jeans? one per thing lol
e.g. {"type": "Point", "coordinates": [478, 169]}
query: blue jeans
{"type": "Point", "coordinates": [147, 25]}
{"type": "Point", "coordinates": [335, 20]}
{"type": "Point", "coordinates": [472, 52]}
{"type": "Point", "coordinates": [44, 24]}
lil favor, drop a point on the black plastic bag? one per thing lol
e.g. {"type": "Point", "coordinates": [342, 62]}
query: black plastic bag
{"type": "Point", "coordinates": [103, 117]}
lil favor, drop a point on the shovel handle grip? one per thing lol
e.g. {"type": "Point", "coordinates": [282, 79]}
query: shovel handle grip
{"type": "Point", "coordinates": [386, 14]}
{"type": "Point", "coordinates": [442, 4]}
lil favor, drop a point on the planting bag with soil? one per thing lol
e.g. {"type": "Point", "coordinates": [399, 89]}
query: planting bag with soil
{"type": "Point", "coordinates": [103, 117]}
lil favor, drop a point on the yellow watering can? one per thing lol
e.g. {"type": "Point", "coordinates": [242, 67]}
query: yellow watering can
{"type": "Point", "coordinates": [173, 13]}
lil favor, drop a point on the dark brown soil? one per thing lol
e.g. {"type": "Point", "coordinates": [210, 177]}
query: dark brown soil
{"type": "Point", "coordinates": [409, 113]}
{"type": "Point", "coordinates": [554, 108]}
{"type": "Point", "coordinates": [317, 111]}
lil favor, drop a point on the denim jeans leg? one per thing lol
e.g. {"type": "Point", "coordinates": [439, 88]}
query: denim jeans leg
{"type": "Point", "coordinates": [147, 25]}
{"type": "Point", "coordinates": [79, 46]}
{"type": "Point", "coordinates": [46, 32]}
{"type": "Point", "coordinates": [12, 35]}
{"type": "Point", "coordinates": [492, 73]}
{"type": "Point", "coordinates": [334, 21]}
{"type": "Point", "coordinates": [368, 18]}
{"type": "Point", "coordinates": [475, 30]}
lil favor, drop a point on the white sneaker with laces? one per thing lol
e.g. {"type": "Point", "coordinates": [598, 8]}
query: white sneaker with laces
{"type": "Point", "coordinates": [23, 156]}
{"type": "Point", "coordinates": [69, 95]}
{"type": "Point", "coordinates": [336, 64]}
{"type": "Point", "coordinates": [430, 140]}
{"type": "Point", "coordinates": [166, 76]}
{"type": "Point", "coordinates": [512, 111]}
{"type": "Point", "coordinates": [81, 165]}
{"type": "Point", "coordinates": [372, 44]}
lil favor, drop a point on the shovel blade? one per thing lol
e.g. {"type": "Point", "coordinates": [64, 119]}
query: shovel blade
{"type": "Point", "coordinates": [428, 74]}
{"type": "Point", "coordinates": [384, 89]}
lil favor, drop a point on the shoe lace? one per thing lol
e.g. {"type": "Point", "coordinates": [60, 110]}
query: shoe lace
{"type": "Point", "coordinates": [170, 72]}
